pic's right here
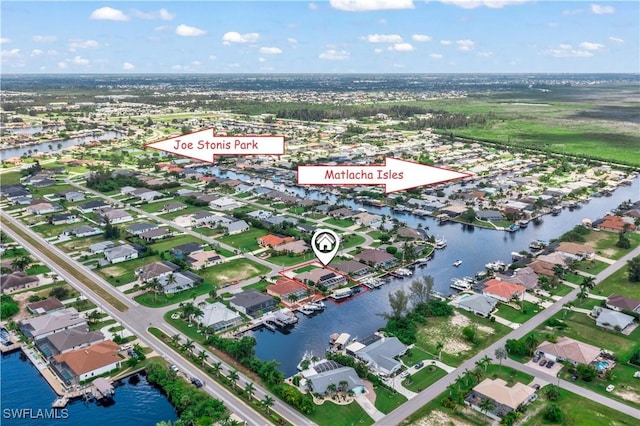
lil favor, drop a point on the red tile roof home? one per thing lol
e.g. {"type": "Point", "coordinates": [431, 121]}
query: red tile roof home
{"type": "Point", "coordinates": [503, 290]}
{"type": "Point", "coordinates": [615, 223]}
{"type": "Point", "coordinates": [273, 240]}
{"type": "Point", "coordinates": [285, 286]}
{"type": "Point", "coordinates": [91, 358]}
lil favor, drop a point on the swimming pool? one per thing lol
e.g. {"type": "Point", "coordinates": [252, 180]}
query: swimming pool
{"type": "Point", "coordinates": [601, 365]}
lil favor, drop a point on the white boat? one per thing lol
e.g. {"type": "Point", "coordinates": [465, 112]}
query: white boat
{"type": "Point", "coordinates": [403, 272]}
{"type": "Point", "coordinates": [440, 243]}
{"type": "Point", "coordinates": [318, 305]}
{"type": "Point", "coordinates": [461, 283]}
{"type": "Point", "coordinates": [457, 262]}
{"type": "Point", "coordinates": [372, 282]}
{"type": "Point", "coordinates": [496, 266]}
{"type": "Point", "coordinates": [421, 261]}
{"type": "Point", "coordinates": [341, 293]}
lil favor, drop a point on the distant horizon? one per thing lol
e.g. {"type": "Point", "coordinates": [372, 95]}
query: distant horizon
{"type": "Point", "coordinates": [316, 73]}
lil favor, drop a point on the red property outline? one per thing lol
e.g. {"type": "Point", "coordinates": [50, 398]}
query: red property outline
{"type": "Point", "coordinates": [378, 184]}
{"type": "Point", "coordinates": [213, 131]}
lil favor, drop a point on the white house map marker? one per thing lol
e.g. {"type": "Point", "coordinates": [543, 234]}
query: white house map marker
{"type": "Point", "coordinates": [325, 244]}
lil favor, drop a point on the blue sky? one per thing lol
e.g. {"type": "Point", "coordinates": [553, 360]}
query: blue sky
{"type": "Point", "coordinates": [374, 36]}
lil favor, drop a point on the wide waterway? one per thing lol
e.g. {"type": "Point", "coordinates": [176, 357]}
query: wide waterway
{"type": "Point", "coordinates": [44, 146]}
{"type": "Point", "coordinates": [24, 388]}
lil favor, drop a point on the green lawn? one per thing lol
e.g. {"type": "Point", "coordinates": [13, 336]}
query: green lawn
{"type": "Point", "coordinates": [561, 290]}
{"type": "Point", "coordinates": [351, 240]}
{"type": "Point", "coordinates": [330, 414]}
{"type": "Point", "coordinates": [387, 401]}
{"type": "Point", "coordinates": [306, 269]}
{"type": "Point", "coordinates": [260, 286]}
{"type": "Point", "coordinates": [587, 303]}
{"type": "Point", "coordinates": [10, 178]}
{"type": "Point", "coordinates": [245, 240]}
{"type": "Point", "coordinates": [153, 300]}
{"type": "Point", "coordinates": [424, 378]}
{"type": "Point", "coordinates": [234, 270]}
{"type": "Point", "coordinates": [516, 315]}
{"type": "Point", "coordinates": [618, 283]}
{"type": "Point", "coordinates": [153, 207]}
{"type": "Point", "coordinates": [286, 260]}
{"type": "Point", "coordinates": [605, 243]}
{"type": "Point", "coordinates": [573, 278]}
{"type": "Point", "coordinates": [507, 374]}
{"type": "Point", "coordinates": [167, 244]}
{"type": "Point", "coordinates": [592, 267]}
{"type": "Point", "coordinates": [188, 210]}
{"type": "Point", "coordinates": [124, 272]}
{"type": "Point", "coordinates": [48, 230]}
{"type": "Point", "coordinates": [415, 355]}
{"type": "Point", "coordinates": [38, 269]}
{"type": "Point", "coordinates": [343, 223]}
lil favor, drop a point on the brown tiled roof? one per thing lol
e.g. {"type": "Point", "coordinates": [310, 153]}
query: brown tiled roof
{"type": "Point", "coordinates": [47, 305]}
{"type": "Point", "coordinates": [503, 289]}
{"type": "Point", "coordinates": [82, 361]}
{"type": "Point", "coordinates": [570, 349]}
{"type": "Point", "coordinates": [623, 302]}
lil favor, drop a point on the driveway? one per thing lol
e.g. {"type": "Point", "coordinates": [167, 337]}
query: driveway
{"type": "Point", "coordinates": [553, 371]}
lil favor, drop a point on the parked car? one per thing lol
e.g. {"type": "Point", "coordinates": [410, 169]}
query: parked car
{"type": "Point", "coordinates": [542, 362]}
{"type": "Point", "coordinates": [196, 382]}
{"type": "Point", "coordinates": [636, 374]}
{"type": "Point", "coordinates": [536, 386]}
{"type": "Point", "coordinates": [550, 364]}
{"type": "Point", "coordinates": [574, 378]}
{"type": "Point", "coordinates": [404, 373]}
{"type": "Point", "coordinates": [173, 367]}
{"type": "Point", "coordinates": [536, 358]}
{"type": "Point", "coordinates": [610, 388]}
{"type": "Point", "coordinates": [419, 365]}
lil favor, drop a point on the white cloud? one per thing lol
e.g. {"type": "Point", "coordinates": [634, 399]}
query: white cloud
{"type": "Point", "coordinates": [401, 47]}
{"type": "Point", "coordinates": [62, 65]}
{"type": "Point", "coordinates": [12, 53]}
{"type": "Point", "coordinates": [292, 40]}
{"type": "Point", "coordinates": [313, 6]}
{"type": "Point", "coordinates": [382, 38]}
{"type": "Point", "coordinates": [334, 55]}
{"type": "Point", "coordinates": [79, 60]}
{"type": "Point", "coordinates": [567, 51]}
{"type": "Point", "coordinates": [377, 51]}
{"type": "Point", "coordinates": [270, 50]}
{"type": "Point", "coordinates": [187, 31]}
{"type": "Point", "coordinates": [83, 44]}
{"type": "Point", "coordinates": [235, 37]}
{"type": "Point", "coordinates": [44, 38]}
{"type": "Point", "coordinates": [465, 45]}
{"type": "Point", "coordinates": [421, 38]}
{"type": "Point", "coordinates": [591, 46]}
{"type": "Point", "coordinates": [367, 5]}
{"type": "Point", "coordinates": [445, 42]}
{"type": "Point", "coordinates": [4, 40]}
{"type": "Point", "coordinates": [436, 56]}
{"type": "Point", "coordinates": [616, 40]}
{"type": "Point", "coordinates": [162, 14]}
{"type": "Point", "coordinates": [108, 14]}
{"type": "Point", "coordinates": [37, 52]}
{"type": "Point", "coordinates": [196, 63]}
{"type": "Point", "coordinates": [128, 66]}
{"type": "Point", "coordinates": [602, 10]}
{"type": "Point", "coordinates": [261, 59]}
{"type": "Point", "coordinates": [485, 54]}
{"type": "Point", "coordinates": [493, 4]}
{"type": "Point", "coordinates": [177, 67]}
{"type": "Point", "coordinates": [212, 57]}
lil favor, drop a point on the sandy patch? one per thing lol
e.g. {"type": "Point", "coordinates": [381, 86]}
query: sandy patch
{"type": "Point", "coordinates": [113, 271]}
{"type": "Point", "coordinates": [462, 321]}
{"type": "Point", "coordinates": [438, 418]}
{"type": "Point", "coordinates": [628, 395]}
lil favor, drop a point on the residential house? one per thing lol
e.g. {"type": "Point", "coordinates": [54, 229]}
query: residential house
{"type": "Point", "coordinates": [43, 307]}
{"type": "Point", "coordinates": [44, 325]}
{"type": "Point", "coordinates": [322, 278]}
{"type": "Point", "coordinates": [155, 234]}
{"type": "Point", "coordinates": [120, 253]}
{"type": "Point", "coordinates": [307, 229]}
{"type": "Point", "coordinates": [287, 289]}
{"type": "Point", "coordinates": [408, 233]}
{"type": "Point", "coordinates": [259, 214]}
{"type": "Point", "coordinates": [82, 231]}
{"type": "Point", "coordinates": [252, 302]}
{"type": "Point", "coordinates": [83, 364]}
{"type": "Point", "coordinates": [271, 240]}
{"type": "Point", "coordinates": [279, 220]}
{"type": "Point", "coordinates": [489, 215]}
{"type": "Point", "coordinates": [352, 268]}
{"type": "Point", "coordinates": [367, 219]}
{"type": "Point", "coordinates": [503, 291]}
{"type": "Point", "coordinates": [179, 281]}
{"type": "Point", "coordinates": [611, 320]}
{"type": "Point", "coordinates": [186, 249]}
{"type": "Point", "coordinates": [526, 277]}
{"type": "Point", "coordinates": [236, 227]}
{"type": "Point", "coordinates": [623, 303]}
{"type": "Point", "coordinates": [505, 398]}
{"type": "Point", "coordinates": [68, 340]}
{"type": "Point", "coordinates": [101, 246]}
{"type": "Point", "coordinates": [139, 228]}
{"type": "Point", "coordinates": [173, 207]}
{"type": "Point", "coordinates": [342, 213]}
{"type": "Point", "coordinates": [382, 355]}
{"type": "Point", "coordinates": [114, 216]}
{"type": "Point", "coordinates": [324, 374]}
{"type": "Point", "coordinates": [17, 281]}
{"type": "Point", "coordinates": [376, 258]}
{"type": "Point", "coordinates": [567, 349]}
{"type": "Point", "coordinates": [479, 304]}
{"type": "Point", "coordinates": [60, 219]}
{"type": "Point", "coordinates": [92, 206]}
{"type": "Point", "coordinates": [218, 317]}
{"type": "Point", "coordinates": [616, 224]}
{"type": "Point", "coordinates": [294, 247]}
{"type": "Point", "coordinates": [146, 195]}
{"type": "Point", "coordinates": [575, 251]}
{"type": "Point", "coordinates": [72, 196]}
{"type": "Point", "coordinates": [154, 270]}
{"type": "Point", "coordinates": [203, 259]}
{"type": "Point", "coordinates": [203, 217]}
{"type": "Point", "coordinates": [41, 208]}
{"type": "Point", "coordinates": [224, 203]}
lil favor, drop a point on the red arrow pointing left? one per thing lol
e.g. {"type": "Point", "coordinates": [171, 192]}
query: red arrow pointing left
{"type": "Point", "coordinates": [204, 145]}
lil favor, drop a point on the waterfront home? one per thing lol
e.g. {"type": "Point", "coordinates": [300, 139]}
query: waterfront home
{"type": "Point", "coordinates": [83, 364]}
{"type": "Point", "coordinates": [623, 303]}
{"type": "Point", "coordinates": [575, 251]}
{"type": "Point", "coordinates": [409, 233]}
{"type": "Point", "coordinates": [505, 398]}
{"type": "Point", "coordinates": [17, 281]}
{"type": "Point", "coordinates": [526, 277]}
{"type": "Point", "coordinates": [203, 259]}
{"type": "Point", "coordinates": [381, 355]}
{"type": "Point", "coordinates": [253, 303]}
{"type": "Point", "coordinates": [68, 340]}
{"type": "Point", "coordinates": [478, 304]}
{"type": "Point", "coordinates": [489, 215]}
{"type": "Point", "coordinates": [101, 246]}
{"type": "Point", "coordinates": [287, 290]}
{"type": "Point", "coordinates": [235, 227]}
{"type": "Point", "coordinates": [186, 249]}
{"type": "Point", "coordinates": [367, 219]}
{"type": "Point", "coordinates": [82, 231]}
{"type": "Point", "coordinates": [503, 291]}
{"type": "Point", "coordinates": [44, 325]}
{"type": "Point", "coordinates": [139, 228]}
{"type": "Point", "coordinates": [611, 320]}
{"type": "Point", "coordinates": [352, 268]}
{"type": "Point", "coordinates": [342, 213]}
{"type": "Point", "coordinates": [324, 374]}
{"type": "Point", "coordinates": [271, 240]}
{"type": "Point", "coordinates": [43, 307]}
{"type": "Point", "coordinates": [120, 253]}
{"type": "Point", "coordinates": [61, 219]}
{"type": "Point", "coordinates": [218, 317]}
{"type": "Point", "coordinates": [322, 278]}
{"type": "Point", "coordinates": [616, 224]}
{"type": "Point", "coordinates": [91, 206]}
{"type": "Point", "coordinates": [376, 258]}
{"type": "Point", "coordinates": [567, 349]}
{"type": "Point", "coordinates": [155, 270]}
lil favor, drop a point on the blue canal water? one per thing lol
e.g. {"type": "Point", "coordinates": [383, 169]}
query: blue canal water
{"type": "Point", "coordinates": [23, 387]}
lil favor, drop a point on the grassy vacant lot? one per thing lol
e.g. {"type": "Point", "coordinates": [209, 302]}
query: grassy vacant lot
{"type": "Point", "coordinates": [592, 266]}
{"type": "Point", "coordinates": [244, 240]}
{"type": "Point", "coordinates": [343, 223]}
{"type": "Point", "coordinates": [387, 401]}
{"type": "Point", "coordinates": [604, 243]}
{"type": "Point", "coordinates": [10, 178]}
{"type": "Point", "coordinates": [516, 315]}
{"type": "Point", "coordinates": [169, 243]}
{"type": "Point", "coordinates": [286, 260]}
{"type": "Point", "coordinates": [424, 378]}
{"type": "Point", "coordinates": [233, 270]}
{"type": "Point", "coordinates": [154, 300]}
{"type": "Point", "coordinates": [340, 415]}
{"type": "Point", "coordinates": [124, 272]}
{"type": "Point", "coordinates": [618, 283]}
{"type": "Point", "coordinates": [351, 240]}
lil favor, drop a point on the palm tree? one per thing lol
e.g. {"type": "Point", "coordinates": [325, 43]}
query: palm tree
{"type": "Point", "coordinates": [249, 389]}
{"type": "Point", "coordinates": [216, 367]}
{"type": "Point", "coordinates": [155, 286]}
{"type": "Point", "coordinates": [531, 341]}
{"type": "Point", "coordinates": [197, 313]}
{"type": "Point", "coordinates": [588, 282]}
{"type": "Point", "coordinates": [171, 280]}
{"type": "Point", "coordinates": [344, 385]}
{"type": "Point", "coordinates": [439, 347]}
{"type": "Point", "coordinates": [267, 402]}
{"type": "Point", "coordinates": [21, 263]}
{"type": "Point", "coordinates": [332, 388]}
{"type": "Point", "coordinates": [486, 361]}
{"type": "Point", "coordinates": [188, 345]}
{"type": "Point", "coordinates": [500, 354]}
{"type": "Point", "coordinates": [202, 356]}
{"type": "Point", "coordinates": [175, 339]}
{"type": "Point", "coordinates": [187, 311]}
{"type": "Point", "coordinates": [487, 405]}
{"type": "Point", "coordinates": [233, 376]}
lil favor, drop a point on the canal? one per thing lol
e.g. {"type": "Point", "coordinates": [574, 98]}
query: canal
{"type": "Point", "coordinates": [44, 146]}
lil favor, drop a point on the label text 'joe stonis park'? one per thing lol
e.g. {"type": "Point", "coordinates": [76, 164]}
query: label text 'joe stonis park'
{"type": "Point", "coordinates": [235, 144]}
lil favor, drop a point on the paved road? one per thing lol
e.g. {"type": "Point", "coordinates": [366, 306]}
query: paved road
{"type": "Point", "coordinates": [138, 318]}
{"type": "Point", "coordinates": [426, 396]}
